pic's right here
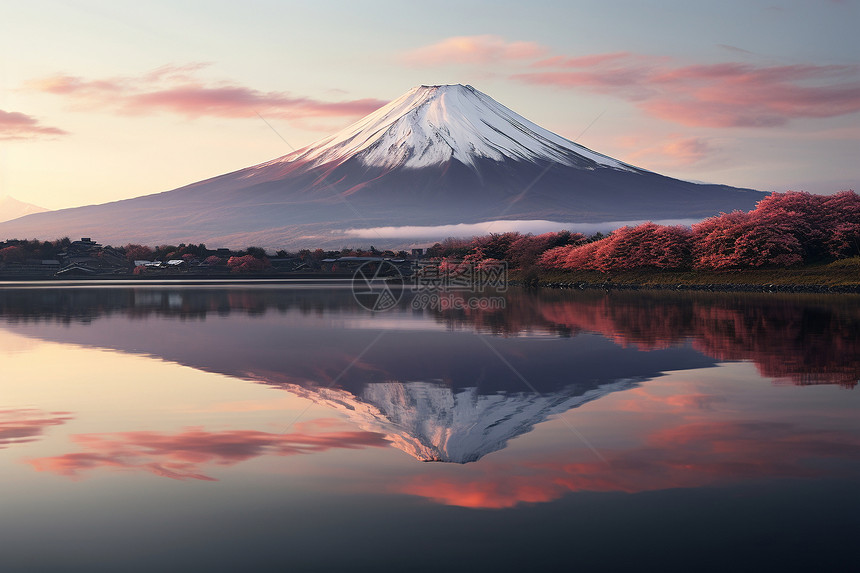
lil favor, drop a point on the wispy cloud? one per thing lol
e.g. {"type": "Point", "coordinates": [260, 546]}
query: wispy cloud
{"type": "Point", "coordinates": [17, 125]}
{"type": "Point", "coordinates": [722, 94]}
{"type": "Point", "coordinates": [676, 150]}
{"type": "Point", "coordinates": [177, 89]}
{"type": "Point", "coordinates": [473, 50]}
{"type": "Point", "coordinates": [735, 49]}
{"type": "Point", "coordinates": [714, 95]}
{"type": "Point", "coordinates": [582, 61]}
{"type": "Point", "coordinates": [683, 455]}
{"type": "Point", "coordinates": [499, 226]}
{"type": "Point", "coordinates": [24, 425]}
{"type": "Point", "coordinates": [185, 455]}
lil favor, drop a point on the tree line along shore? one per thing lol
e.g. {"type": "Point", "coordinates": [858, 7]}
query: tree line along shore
{"type": "Point", "coordinates": [792, 240]}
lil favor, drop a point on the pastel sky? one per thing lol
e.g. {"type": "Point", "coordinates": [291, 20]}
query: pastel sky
{"type": "Point", "coordinates": [101, 101]}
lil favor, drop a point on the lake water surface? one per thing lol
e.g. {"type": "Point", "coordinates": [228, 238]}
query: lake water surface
{"type": "Point", "coordinates": [259, 427]}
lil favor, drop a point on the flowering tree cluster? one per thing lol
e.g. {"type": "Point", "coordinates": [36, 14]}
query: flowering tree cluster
{"type": "Point", "coordinates": [784, 229]}
{"type": "Point", "coordinates": [521, 251]}
{"type": "Point", "coordinates": [247, 263]}
{"type": "Point", "coordinates": [134, 252]}
{"type": "Point", "coordinates": [646, 245]}
{"type": "Point", "coordinates": [12, 254]}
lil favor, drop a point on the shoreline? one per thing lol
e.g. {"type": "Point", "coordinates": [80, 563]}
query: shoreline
{"type": "Point", "coordinates": [708, 287]}
{"type": "Point", "coordinates": [177, 278]}
{"type": "Point", "coordinates": [837, 277]}
{"type": "Point", "coordinates": [843, 279]}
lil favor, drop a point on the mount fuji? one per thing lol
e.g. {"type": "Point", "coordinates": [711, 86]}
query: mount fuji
{"type": "Point", "coordinates": [434, 423]}
{"type": "Point", "coordinates": [437, 155]}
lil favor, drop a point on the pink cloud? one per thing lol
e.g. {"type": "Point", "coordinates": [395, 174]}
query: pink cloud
{"type": "Point", "coordinates": [676, 151]}
{"type": "Point", "coordinates": [682, 455]}
{"type": "Point", "coordinates": [498, 493]}
{"type": "Point", "coordinates": [582, 61]}
{"type": "Point", "coordinates": [20, 426]}
{"type": "Point", "coordinates": [194, 100]}
{"type": "Point", "coordinates": [17, 125]}
{"type": "Point", "coordinates": [184, 72]}
{"type": "Point", "coordinates": [642, 401]}
{"type": "Point", "coordinates": [724, 94]}
{"type": "Point", "coordinates": [175, 89]}
{"type": "Point", "coordinates": [713, 95]}
{"type": "Point", "coordinates": [184, 455]}
{"type": "Point", "coordinates": [694, 401]}
{"type": "Point", "coordinates": [473, 50]}
{"type": "Point", "coordinates": [71, 85]}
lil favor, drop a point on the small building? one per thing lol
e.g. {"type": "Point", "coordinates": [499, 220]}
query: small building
{"type": "Point", "coordinates": [82, 260]}
{"type": "Point", "coordinates": [85, 243]}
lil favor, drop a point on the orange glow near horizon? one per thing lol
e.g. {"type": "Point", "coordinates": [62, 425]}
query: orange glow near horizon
{"type": "Point", "coordinates": [692, 440]}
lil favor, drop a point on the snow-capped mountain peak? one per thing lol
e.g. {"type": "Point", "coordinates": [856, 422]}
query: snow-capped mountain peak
{"type": "Point", "coordinates": [432, 125]}
{"type": "Point", "coordinates": [433, 423]}
{"type": "Point", "coordinates": [438, 155]}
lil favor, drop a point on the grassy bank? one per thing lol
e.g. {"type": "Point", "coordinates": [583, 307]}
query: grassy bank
{"type": "Point", "coordinates": [838, 276]}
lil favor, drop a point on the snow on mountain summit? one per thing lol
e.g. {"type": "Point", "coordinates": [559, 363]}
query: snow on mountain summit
{"type": "Point", "coordinates": [431, 125]}
{"type": "Point", "coordinates": [434, 423]}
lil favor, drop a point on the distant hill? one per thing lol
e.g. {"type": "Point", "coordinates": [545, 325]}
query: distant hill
{"type": "Point", "coordinates": [438, 155]}
{"type": "Point", "coordinates": [12, 209]}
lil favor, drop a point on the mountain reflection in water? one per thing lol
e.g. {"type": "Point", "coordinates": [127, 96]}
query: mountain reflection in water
{"type": "Point", "coordinates": [429, 381]}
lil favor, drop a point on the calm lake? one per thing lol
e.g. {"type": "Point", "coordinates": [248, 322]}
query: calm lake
{"type": "Point", "coordinates": [259, 427]}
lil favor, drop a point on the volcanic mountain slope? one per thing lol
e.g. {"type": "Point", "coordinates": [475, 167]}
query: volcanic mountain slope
{"type": "Point", "coordinates": [437, 155]}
